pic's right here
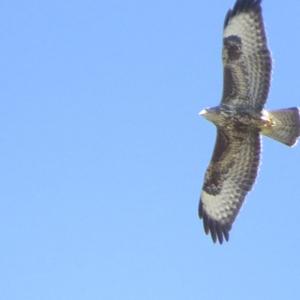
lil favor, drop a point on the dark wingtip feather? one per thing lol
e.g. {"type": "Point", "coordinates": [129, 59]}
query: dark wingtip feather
{"type": "Point", "coordinates": [226, 235]}
{"type": "Point", "coordinates": [219, 234]}
{"type": "Point", "coordinates": [200, 210]}
{"type": "Point", "coordinates": [241, 6]}
{"type": "Point", "coordinates": [218, 231]}
{"type": "Point", "coordinates": [227, 17]}
{"type": "Point", "coordinates": [245, 5]}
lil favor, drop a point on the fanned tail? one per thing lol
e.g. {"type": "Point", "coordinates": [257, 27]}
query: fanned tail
{"type": "Point", "coordinates": [285, 125]}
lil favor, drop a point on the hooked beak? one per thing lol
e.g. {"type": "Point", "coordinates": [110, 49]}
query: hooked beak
{"type": "Point", "coordinates": [202, 112]}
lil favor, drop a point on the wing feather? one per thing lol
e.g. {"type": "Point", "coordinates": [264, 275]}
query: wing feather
{"type": "Point", "coordinates": [230, 175]}
{"type": "Point", "coordinates": [246, 58]}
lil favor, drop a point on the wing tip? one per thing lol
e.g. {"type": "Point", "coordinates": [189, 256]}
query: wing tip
{"type": "Point", "coordinates": [241, 6]}
{"type": "Point", "coordinates": [218, 231]}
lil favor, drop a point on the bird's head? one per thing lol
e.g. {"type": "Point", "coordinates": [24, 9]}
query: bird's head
{"type": "Point", "coordinates": [211, 114]}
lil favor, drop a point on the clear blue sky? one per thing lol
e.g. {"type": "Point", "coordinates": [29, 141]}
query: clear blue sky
{"type": "Point", "coordinates": [103, 155]}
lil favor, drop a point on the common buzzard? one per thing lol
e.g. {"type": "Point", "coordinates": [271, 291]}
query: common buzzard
{"type": "Point", "coordinates": [240, 119]}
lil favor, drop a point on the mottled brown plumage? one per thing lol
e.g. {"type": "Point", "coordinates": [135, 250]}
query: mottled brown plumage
{"type": "Point", "coordinates": [240, 119]}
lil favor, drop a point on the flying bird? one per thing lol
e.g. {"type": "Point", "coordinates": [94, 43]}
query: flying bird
{"type": "Point", "coordinates": [241, 119]}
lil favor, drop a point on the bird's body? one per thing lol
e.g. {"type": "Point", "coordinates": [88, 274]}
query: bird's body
{"type": "Point", "coordinates": [233, 118]}
{"type": "Point", "coordinates": [241, 119]}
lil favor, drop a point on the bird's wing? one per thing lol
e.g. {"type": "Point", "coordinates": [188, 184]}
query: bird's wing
{"type": "Point", "coordinates": [246, 58]}
{"type": "Point", "coordinates": [230, 175]}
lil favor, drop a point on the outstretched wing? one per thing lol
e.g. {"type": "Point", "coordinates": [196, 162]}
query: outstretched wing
{"type": "Point", "coordinates": [246, 58]}
{"type": "Point", "coordinates": [230, 175]}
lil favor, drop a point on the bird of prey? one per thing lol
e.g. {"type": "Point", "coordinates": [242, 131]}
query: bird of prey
{"type": "Point", "coordinates": [241, 119]}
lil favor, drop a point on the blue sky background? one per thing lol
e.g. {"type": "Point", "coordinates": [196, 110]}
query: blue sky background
{"type": "Point", "coordinates": [103, 154]}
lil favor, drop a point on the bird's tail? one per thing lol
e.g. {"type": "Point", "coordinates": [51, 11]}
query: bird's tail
{"type": "Point", "coordinates": [285, 126]}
